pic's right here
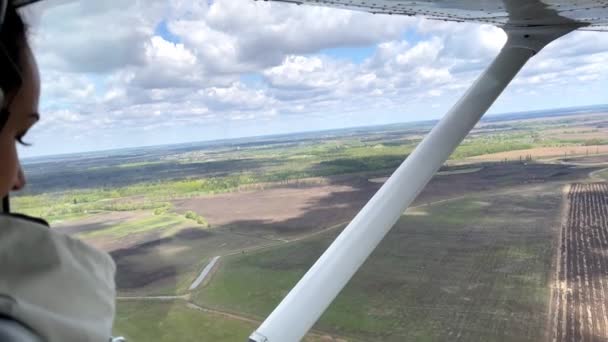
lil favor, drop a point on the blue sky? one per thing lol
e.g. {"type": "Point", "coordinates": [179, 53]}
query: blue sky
{"type": "Point", "coordinates": [126, 74]}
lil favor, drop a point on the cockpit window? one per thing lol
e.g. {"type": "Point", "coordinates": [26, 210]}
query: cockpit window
{"type": "Point", "coordinates": [215, 149]}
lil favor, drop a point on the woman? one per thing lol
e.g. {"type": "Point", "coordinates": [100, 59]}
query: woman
{"type": "Point", "coordinates": [58, 288]}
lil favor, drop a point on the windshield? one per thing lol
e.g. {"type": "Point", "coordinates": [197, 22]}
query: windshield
{"type": "Point", "coordinates": [215, 149]}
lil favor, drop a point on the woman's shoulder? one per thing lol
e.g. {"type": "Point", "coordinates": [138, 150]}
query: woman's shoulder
{"type": "Point", "coordinates": [30, 238]}
{"type": "Point", "coordinates": [58, 285]}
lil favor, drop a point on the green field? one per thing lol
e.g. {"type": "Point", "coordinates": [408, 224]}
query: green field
{"type": "Point", "coordinates": [169, 268]}
{"type": "Point", "coordinates": [166, 224]}
{"type": "Point", "coordinates": [603, 174]}
{"type": "Point", "coordinates": [174, 321]}
{"type": "Point", "coordinates": [477, 268]}
{"type": "Point", "coordinates": [170, 321]}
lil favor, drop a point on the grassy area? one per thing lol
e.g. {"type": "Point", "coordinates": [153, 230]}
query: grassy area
{"type": "Point", "coordinates": [459, 171]}
{"type": "Point", "coordinates": [473, 268]}
{"type": "Point", "coordinates": [173, 321]}
{"type": "Point", "coordinates": [171, 267]}
{"type": "Point", "coordinates": [71, 205]}
{"type": "Point", "coordinates": [167, 223]}
{"type": "Point", "coordinates": [191, 215]}
{"type": "Point", "coordinates": [491, 144]}
{"type": "Point", "coordinates": [603, 174]}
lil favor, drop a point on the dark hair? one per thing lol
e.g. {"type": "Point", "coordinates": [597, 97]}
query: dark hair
{"type": "Point", "coordinates": [12, 43]}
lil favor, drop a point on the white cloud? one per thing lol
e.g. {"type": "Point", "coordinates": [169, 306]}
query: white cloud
{"type": "Point", "coordinates": [422, 53]}
{"type": "Point", "coordinates": [242, 36]}
{"type": "Point", "coordinates": [168, 54]}
{"type": "Point", "coordinates": [236, 97]}
{"type": "Point", "coordinates": [94, 36]}
{"type": "Point", "coordinates": [106, 64]}
{"type": "Point", "coordinates": [301, 72]}
{"type": "Point", "coordinates": [59, 85]}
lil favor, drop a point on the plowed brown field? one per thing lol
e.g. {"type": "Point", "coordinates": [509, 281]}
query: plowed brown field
{"type": "Point", "coordinates": [580, 307]}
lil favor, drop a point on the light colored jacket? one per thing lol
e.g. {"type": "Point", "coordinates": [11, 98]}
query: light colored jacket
{"type": "Point", "coordinates": [58, 286]}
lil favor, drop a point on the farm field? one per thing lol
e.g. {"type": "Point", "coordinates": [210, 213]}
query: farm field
{"type": "Point", "coordinates": [138, 321]}
{"type": "Point", "coordinates": [161, 253]}
{"type": "Point", "coordinates": [596, 159]}
{"type": "Point", "coordinates": [580, 311]}
{"type": "Point", "coordinates": [475, 269]}
{"type": "Point", "coordinates": [544, 152]}
{"type": "Point", "coordinates": [472, 260]}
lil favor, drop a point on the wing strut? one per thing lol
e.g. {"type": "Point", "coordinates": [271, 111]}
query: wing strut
{"type": "Point", "coordinates": [305, 303]}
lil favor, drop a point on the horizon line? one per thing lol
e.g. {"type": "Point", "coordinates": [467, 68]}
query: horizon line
{"type": "Point", "coordinates": [573, 110]}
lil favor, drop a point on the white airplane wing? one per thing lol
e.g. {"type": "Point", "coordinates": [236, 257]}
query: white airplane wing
{"type": "Point", "coordinates": [505, 13]}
